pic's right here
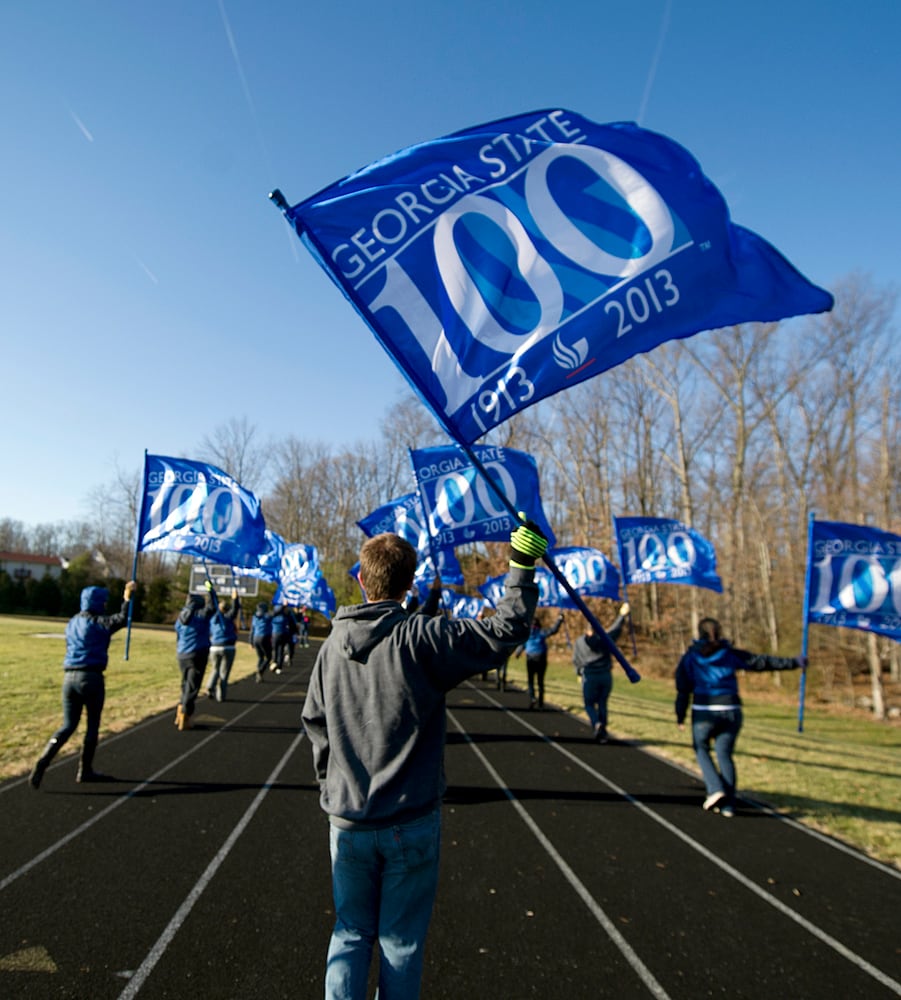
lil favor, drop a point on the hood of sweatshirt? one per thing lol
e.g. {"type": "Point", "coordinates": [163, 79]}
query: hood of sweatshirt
{"type": "Point", "coordinates": [360, 627]}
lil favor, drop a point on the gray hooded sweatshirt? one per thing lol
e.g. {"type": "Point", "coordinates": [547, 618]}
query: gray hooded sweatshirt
{"type": "Point", "coordinates": [375, 710]}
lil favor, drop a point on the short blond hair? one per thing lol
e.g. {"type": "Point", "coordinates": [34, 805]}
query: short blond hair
{"type": "Point", "coordinates": [387, 567]}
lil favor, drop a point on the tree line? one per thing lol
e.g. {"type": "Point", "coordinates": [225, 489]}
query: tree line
{"type": "Point", "coordinates": [739, 432]}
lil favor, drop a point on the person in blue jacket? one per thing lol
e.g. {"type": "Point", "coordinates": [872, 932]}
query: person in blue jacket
{"type": "Point", "coordinates": [192, 649]}
{"type": "Point", "coordinates": [284, 628]}
{"type": "Point", "coordinates": [223, 640]}
{"type": "Point", "coordinates": [88, 637]}
{"type": "Point", "coordinates": [535, 648]}
{"type": "Point", "coordinates": [261, 638]}
{"type": "Point", "coordinates": [706, 678]}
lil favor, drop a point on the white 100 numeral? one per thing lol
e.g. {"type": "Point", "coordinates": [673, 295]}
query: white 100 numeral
{"type": "Point", "coordinates": [652, 553]}
{"type": "Point", "coordinates": [881, 584]}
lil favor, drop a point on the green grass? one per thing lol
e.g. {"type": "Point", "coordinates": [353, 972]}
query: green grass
{"type": "Point", "coordinates": [31, 656]}
{"type": "Point", "coordinates": [841, 775]}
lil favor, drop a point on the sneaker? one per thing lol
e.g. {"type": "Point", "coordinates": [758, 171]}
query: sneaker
{"type": "Point", "coordinates": [727, 811]}
{"type": "Point", "coordinates": [713, 800]}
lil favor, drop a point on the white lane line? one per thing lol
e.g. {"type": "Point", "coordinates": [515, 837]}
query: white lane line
{"type": "Point", "coordinates": [641, 970]}
{"type": "Point", "coordinates": [181, 914]}
{"type": "Point", "coordinates": [38, 858]}
{"type": "Point", "coordinates": [811, 928]}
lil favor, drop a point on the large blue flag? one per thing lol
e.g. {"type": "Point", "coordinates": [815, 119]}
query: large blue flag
{"type": "Point", "coordinates": [661, 550]}
{"type": "Point", "coordinates": [854, 578]}
{"type": "Point", "coordinates": [511, 260]}
{"type": "Point", "coordinates": [461, 507]}
{"type": "Point", "coordinates": [197, 509]}
{"type": "Point", "coordinates": [404, 516]}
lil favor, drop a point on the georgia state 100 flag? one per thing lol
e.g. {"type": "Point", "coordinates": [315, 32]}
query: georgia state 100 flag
{"type": "Point", "coordinates": [197, 509]}
{"type": "Point", "coordinates": [511, 260]}
{"type": "Point", "coordinates": [661, 550]}
{"type": "Point", "coordinates": [854, 578]}
{"type": "Point", "coordinates": [461, 507]}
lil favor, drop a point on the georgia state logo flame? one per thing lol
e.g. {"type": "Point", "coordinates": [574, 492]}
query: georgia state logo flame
{"type": "Point", "coordinates": [571, 357]}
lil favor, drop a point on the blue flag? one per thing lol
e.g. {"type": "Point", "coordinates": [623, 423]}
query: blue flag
{"type": "Point", "coordinates": [661, 550]}
{"type": "Point", "coordinates": [404, 516]}
{"type": "Point", "coordinates": [461, 507]}
{"type": "Point", "coordinates": [493, 589]}
{"type": "Point", "coordinates": [511, 260]}
{"type": "Point", "coordinates": [299, 573]}
{"type": "Point", "coordinates": [461, 605]}
{"type": "Point", "coordinates": [854, 578]}
{"type": "Point", "coordinates": [588, 571]}
{"type": "Point", "coordinates": [268, 562]}
{"type": "Point", "coordinates": [199, 510]}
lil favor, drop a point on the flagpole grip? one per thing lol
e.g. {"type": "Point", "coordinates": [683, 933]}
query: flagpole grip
{"type": "Point", "coordinates": [612, 648]}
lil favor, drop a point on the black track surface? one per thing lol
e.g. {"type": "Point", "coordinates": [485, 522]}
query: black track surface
{"type": "Point", "coordinates": [569, 870]}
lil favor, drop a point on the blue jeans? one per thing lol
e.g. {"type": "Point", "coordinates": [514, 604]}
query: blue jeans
{"type": "Point", "coordinates": [722, 728]}
{"type": "Point", "coordinates": [384, 884]}
{"type": "Point", "coordinates": [82, 689]}
{"type": "Point", "coordinates": [596, 688]}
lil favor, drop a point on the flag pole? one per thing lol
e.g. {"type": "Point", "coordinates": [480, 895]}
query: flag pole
{"type": "Point", "coordinates": [134, 565]}
{"type": "Point", "coordinates": [805, 624]}
{"type": "Point", "coordinates": [576, 598]}
{"type": "Point", "coordinates": [622, 569]}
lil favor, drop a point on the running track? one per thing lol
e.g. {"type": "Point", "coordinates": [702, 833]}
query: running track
{"type": "Point", "coordinates": [569, 870]}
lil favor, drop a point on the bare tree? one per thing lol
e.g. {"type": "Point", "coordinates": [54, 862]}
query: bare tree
{"type": "Point", "coordinates": [235, 447]}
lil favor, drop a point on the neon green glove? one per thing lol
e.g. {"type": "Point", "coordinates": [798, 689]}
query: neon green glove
{"type": "Point", "coordinates": [527, 543]}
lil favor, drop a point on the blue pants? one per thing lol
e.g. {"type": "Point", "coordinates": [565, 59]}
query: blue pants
{"type": "Point", "coordinates": [596, 688]}
{"type": "Point", "coordinates": [82, 689]}
{"type": "Point", "coordinates": [384, 884]}
{"type": "Point", "coordinates": [722, 728]}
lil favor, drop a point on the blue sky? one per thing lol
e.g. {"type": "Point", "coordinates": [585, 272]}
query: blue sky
{"type": "Point", "coordinates": [148, 289]}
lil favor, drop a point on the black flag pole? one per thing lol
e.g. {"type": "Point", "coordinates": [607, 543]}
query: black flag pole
{"type": "Point", "coordinates": [576, 598]}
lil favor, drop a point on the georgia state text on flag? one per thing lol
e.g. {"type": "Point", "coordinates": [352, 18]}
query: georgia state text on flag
{"type": "Point", "coordinates": [461, 507]}
{"type": "Point", "coordinates": [405, 517]}
{"type": "Point", "coordinates": [854, 578]}
{"type": "Point", "coordinates": [661, 550]}
{"type": "Point", "coordinates": [513, 259]}
{"type": "Point", "coordinates": [196, 509]}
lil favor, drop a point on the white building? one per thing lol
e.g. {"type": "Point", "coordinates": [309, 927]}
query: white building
{"type": "Point", "coordinates": [23, 566]}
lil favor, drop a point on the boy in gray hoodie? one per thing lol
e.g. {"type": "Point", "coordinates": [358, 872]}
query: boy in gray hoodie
{"type": "Point", "coordinates": [375, 715]}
